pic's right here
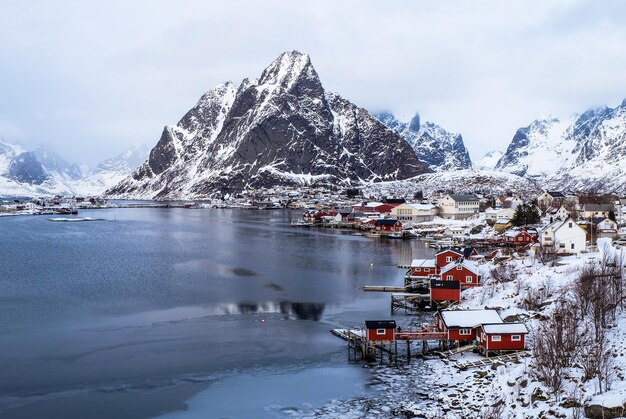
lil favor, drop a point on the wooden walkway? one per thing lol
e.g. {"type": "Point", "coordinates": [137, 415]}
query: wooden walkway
{"type": "Point", "coordinates": [484, 362]}
{"type": "Point", "coordinates": [455, 351]}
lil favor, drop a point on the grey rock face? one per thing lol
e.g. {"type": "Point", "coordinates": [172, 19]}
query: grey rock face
{"type": "Point", "coordinates": [439, 149]}
{"type": "Point", "coordinates": [283, 128]}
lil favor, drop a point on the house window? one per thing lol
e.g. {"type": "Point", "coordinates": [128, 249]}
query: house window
{"type": "Point", "coordinates": [468, 279]}
{"type": "Point", "coordinates": [516, 338]}
{"type": "Point", "coordinates": [380, 331]}
{"type": "Point", "coordinates": [496, 338]}
{"type": "Point", "coordinates": [448, 258]}
{"type": "Point", "coordinates": [572, 245]}
{"type": "Point", "coordinates": [465, 331]}
{"type": "Point", "coordinates": [458, 268]}
{"type": "Point", "coordinates": [570, 225]}
{"type": "Point", "coordinates": [449, 277]}
{"type": "Point", "coordinates": [562, 245]}
{"type": "Point", "coordinates": [426, 269]}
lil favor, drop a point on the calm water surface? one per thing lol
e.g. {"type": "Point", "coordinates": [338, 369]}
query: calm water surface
{"type": "Point", "coordinates": [181, 312]}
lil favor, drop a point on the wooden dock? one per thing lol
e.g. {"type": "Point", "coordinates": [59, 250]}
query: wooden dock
{"type": "Point", "coordinates": [409, 302]}
{"type": "Point", "coordinates": [383, 288]}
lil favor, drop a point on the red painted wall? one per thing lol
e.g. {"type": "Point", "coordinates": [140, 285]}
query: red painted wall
{"type": "Point", "coordinates": [423, 271]}
{"type": "Point", "coordinates": [459, 275]}
{"type": "Point", "coordinates": [440, 258]}
{"type": "Point", "coordinates": [371, 335]}
{"type": "Point", "coordinates": [505, 344]}
{"type": "Point", "coordinates": [444, 294]}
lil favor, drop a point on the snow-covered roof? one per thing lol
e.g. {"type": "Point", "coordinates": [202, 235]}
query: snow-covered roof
{"type": "Point", "coordinates": [465, 263]}
{"type": "Point", "coordinates": [503, 220]}
{"type": "Point", "coordinates": [423, 263]}
{"type": "Point", "coordinates": [422, 207]}
{"type": "Point", "coordinates": [492, 328]}
{"type": "Point", "coordinates": [469, 318]}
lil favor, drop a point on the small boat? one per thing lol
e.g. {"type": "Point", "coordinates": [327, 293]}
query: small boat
{"type": "Point", "coordinates": [373, 235]}
{"type": "Point", "coordinates": [395, 235]}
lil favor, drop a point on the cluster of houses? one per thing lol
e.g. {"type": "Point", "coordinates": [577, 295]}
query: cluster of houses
{"type": "Point", "coordinates": [452, 270]}
{"type": "Point", "coordinates": [484, 328]}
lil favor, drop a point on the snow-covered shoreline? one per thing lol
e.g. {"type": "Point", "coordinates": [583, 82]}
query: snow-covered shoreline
{"type": "Point", "coordinates": [436, 388]}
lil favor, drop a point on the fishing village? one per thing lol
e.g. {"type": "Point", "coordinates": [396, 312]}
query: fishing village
{"type": "Point", "coordinates": [483, 310]}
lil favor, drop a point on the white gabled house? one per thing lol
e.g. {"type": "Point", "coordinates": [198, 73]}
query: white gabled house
{"type": "Point", "coordinates": [458, 207]}
{"type": "Point", "coordinates": [415, 213]}
{"type": "Point", "coordinates": [563, 236]}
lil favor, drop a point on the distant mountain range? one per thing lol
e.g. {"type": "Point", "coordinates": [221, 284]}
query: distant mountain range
{"type": "Point", "coordinates": [439, 149]}
{"type": "Point", "coordinates": [285, 129]}
{"type": "Point", "coordinates": [585, 152]}
{"type": "Point", "coordinates": [44, 172]}
{"type": "Point", "coordinates": [280, 129]}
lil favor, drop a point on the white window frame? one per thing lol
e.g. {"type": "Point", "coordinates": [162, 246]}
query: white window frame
{"type": "Point", "coordinates": [465, 332]}
{"type": "Point", "coordinates": [448, 258]}
{"type": "Point", "coordinates": [496, 338]}
{"type": "Point", "coordinates": [381, 331]}
{"type": "Point", "coordinates": [449, 278]}
{"type": "Point", "coordinates": [459, 268]}
{"type": "Point", "coordinates": [468, 279]}
{"type": "Point", "coordinates": [516, 338]}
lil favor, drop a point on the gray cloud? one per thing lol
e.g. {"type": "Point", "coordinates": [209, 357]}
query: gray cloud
{"type": "Point", "coordinates": [91, 78]}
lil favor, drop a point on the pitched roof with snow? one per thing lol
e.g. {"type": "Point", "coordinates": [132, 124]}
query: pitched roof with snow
{"type": "Point", "coordinates": [462, 262]}
{"type": "Point", "coordinates": [469, 318]}
{"type": "Point", "coordinates": [423, 263]}
{"type": "Point", "coordinates": [496, 328]}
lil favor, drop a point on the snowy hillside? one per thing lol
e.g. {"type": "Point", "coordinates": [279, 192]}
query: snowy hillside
{"type": "Point", "coordinates": [459, 181]}
{"type": "Point", "coordinates": [439, 149]}
{"type": "Point", "coordinates": [280, 129]}
{"type": "Point", "coordinates": [488, 161]}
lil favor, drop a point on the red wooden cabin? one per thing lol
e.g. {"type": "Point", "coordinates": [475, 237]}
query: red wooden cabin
{"type": "Point", "coordinates": [386, 225]}
{"type": "Point", "coordinates": [445, 290]}
{"type": "Point", "coordinates": [502, 336]}
{"type": "Point", "coordinates": [518, 237]}
{"type": "Point", "coordinates": [460, 325]}
{"type": "Point", "coordinates": [380, 330]}
{"type": "Point", "coordinates": [445, 256]}
{"type": "Point", "coordinates": [423, 267]}
{"type": "Point", "coordinates": [464, 271]}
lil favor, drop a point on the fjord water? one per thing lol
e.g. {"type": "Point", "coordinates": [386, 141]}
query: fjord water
{"type": "Point", "coordinates": [225, 313]}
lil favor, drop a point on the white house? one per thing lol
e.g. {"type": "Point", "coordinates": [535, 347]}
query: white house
{"type": "Point", "coordinates": [491, 214]}
{"type": "Point", "coordinates": [416, 213]}
{"type": "Point", "coordinates": [564, 236]}
{"type": "Point", "coordinates": [458, 207]}
{"type": "Point", "coordinates": [605, 227]}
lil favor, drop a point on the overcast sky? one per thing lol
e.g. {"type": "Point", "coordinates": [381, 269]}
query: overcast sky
{"type": "Point", "coordinates": [91, 78]}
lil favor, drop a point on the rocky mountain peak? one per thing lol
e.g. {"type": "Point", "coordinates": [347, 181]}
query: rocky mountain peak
{"type": "Point", "coordinates": [282, 128]}
{"type": "Point", "coordinates": [433, 145]}
{"type": "Point", "coordinates": [414, 124]}
{"type": "Point", "coordinates": [289, 68]}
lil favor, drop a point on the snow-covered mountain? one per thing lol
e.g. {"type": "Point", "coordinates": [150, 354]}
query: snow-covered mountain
{"type": "Point", "coordinates": [488, 161]}
{"type": "Point", "coordinates": [282, 128]}
{"type": "Point", "coordinates": [439, 149]}
{"type": "Point", "coordinates": [585, 152]}
{"type": "Point", "coordinates": [44, 172]}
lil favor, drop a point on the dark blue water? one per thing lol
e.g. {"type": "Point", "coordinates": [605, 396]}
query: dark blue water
{"type": "Point", "coordinates": [150, 310]}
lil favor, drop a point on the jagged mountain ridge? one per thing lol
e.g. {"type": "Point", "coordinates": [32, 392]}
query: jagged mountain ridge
{"type": "Point", "coordinates": [44, 172]}
{"type": "Point", "coordinates": [583, 153]}
{"type": "Point", "coordinates": [439, 149]}
{"type": "Point", "coordinates": [282, 129]}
